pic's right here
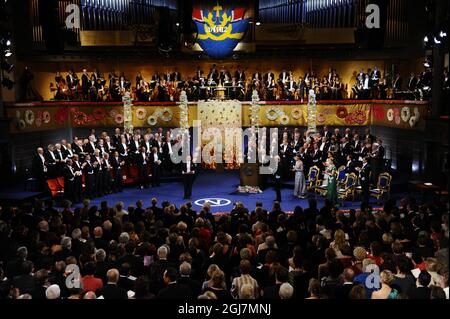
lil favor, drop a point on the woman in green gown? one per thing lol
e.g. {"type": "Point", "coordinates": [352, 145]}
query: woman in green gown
{"type": "Point", "coordinates": [331, 174]}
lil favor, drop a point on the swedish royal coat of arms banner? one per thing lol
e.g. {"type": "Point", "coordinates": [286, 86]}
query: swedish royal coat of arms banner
{"type": "Point", "coordinates": [220, 26]}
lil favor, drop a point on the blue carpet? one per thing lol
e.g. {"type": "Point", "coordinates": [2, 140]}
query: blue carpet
{"type": "Point", "coordinates": [220, 187]}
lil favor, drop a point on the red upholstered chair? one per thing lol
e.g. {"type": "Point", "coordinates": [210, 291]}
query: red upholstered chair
{"type": "Point", "coordinates": [54, 187]}
{"type": "Point", "coordinates": [61, 182]}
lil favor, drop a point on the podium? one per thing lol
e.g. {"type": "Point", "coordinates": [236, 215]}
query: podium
{"type": "Point", "coordinates": [249, 174]}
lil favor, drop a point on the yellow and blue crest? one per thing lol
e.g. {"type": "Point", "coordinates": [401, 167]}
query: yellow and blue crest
{"type": "Point", "coordinates": [219, 29]}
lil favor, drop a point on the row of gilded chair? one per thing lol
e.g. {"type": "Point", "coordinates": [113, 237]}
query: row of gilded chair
{"type": "Point", "coordinates": [348, 184]}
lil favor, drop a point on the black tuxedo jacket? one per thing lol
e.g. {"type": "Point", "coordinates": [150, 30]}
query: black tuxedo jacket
{"type": "Point", "coordinates": [121, 149]}
{"type": "Point", "coordinates": [38, 166]}
{"type": "Point", "coordinates": [89, 149]}
{"type": "Point", "coordinates": [132, 146]}
{"type": "Point", "coordinates": [68, 175]}
{"type": "Point", "coordinates": [115, 163]}
{"type": "Point", "coordinates": [175, 291]}
{"type": "Point", "coordinates": [111, 292]}
{"type": "Point", "coordinates": [140, 160]}
{"type": "Point", "coordinates": [49, 159]}
{"type": "Point", "coordinates": [365, 176]}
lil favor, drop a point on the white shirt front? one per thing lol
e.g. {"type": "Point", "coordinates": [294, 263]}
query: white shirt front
{"type": "Point", "coordinates": [188, 167]}
{"type": "Point", "coordinates": [43, 162]}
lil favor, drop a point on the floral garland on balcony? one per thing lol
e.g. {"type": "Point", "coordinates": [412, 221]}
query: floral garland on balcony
{"type": "Point", "coordinates": [127, 112]}
{"type": "Point", "coordinates": [184, 111]}
{"type": "Point", "coordinates": [312, 112]}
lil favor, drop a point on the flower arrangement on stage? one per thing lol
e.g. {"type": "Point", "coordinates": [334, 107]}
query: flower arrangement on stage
{"type": "Point", "coordinates": [21, 125]}
{"type": "Point", "coordinates": [113, 113]}
{"type": "Point", "coordinates": [378, 112]}
{"type": "Point", "coordinates": [341, 112]}
{"type": "Point", "coordinates": [127, 112]}
{"type": "Point", "coordinates": [141, 113]}
{"type": "Point", "coordinates": [249, 190]}
{"type": "Point", "coordinates": [405, 114]}
{"type": "Point", "coordinates": [358, 117]}
{"type": "Point", "coordinates": [152, 120]}
{"type": "Point", "coordinates": [312, 113]}
{"type": "Point", "coordinates": [166, 114]}
{"type": "Point", "coordinates": [397, 117]}
{"type": "Point", "coordinates": [61, 116]}
{"type": "Point", "coordinates": [390, 115]}
{"type": "Point", "coordinates": [29, 117]}
{"type": "Point", "coordinates": [80, 118]}
{"type": "Point", "coordinates": [254, 110]}
{"type": "Point", "coordinates": [99, 114]}
{"type": "Point", "coordinates": [184, 111]}
{"type": "Point", "coordinates": [119, 118]}
{"type": "Point", "coordinates": [296, 113]}
{"type": "Point", "coordinates": [284, 119]}
{"type": "Point", "coordinates": [46, 117]}
{"type": "Point", "coordinates": [273, 113]}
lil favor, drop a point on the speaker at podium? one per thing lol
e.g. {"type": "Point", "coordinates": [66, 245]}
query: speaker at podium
{"type": "Point", "coordinates": [249, 174]}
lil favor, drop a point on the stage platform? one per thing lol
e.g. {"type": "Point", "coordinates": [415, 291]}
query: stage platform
{"type": "Point", "coordinates": [220, 189]}
{"type": "Point", "coordinates": [18, 196]}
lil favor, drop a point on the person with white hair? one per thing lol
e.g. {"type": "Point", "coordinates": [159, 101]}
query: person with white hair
{"type": "Point", "coordinates": [53, 292]}
{"type": "Point", "coordinates": [124, 238]}
{"type": "Point", "coordinates": [246, 292]}
{"type": "Point", "coordinates": [111, 290]}
{"type": "Point", "coordinates": [90, 295]}
{"type": "Point", "coordinates": [185, 279]}
{"type": "Point", "coordinates": [286, 291]}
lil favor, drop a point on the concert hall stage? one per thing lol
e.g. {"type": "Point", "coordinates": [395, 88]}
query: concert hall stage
{"type": "Point", "coordinates": [221, 190]}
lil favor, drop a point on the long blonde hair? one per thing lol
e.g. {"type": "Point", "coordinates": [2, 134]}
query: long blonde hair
{"type": "Point", "coordinates": [339, 239]}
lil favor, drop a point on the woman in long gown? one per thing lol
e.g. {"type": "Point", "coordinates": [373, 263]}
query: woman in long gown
{"type": "Point", "coordinates": [331, 175]}
{"type": "Point", "coordinates": [300, 186]}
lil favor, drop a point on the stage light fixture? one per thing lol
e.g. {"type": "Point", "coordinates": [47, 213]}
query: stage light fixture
{"type": "Point", "coordinates": [6, 66]}
{"type": "Point", "coordinates": [258, 23]}
{"type": "Point", "coordinates": [7, 53]}
{"type": "Point", "coordinates": [8, 43]}
{"type": "Point", "coordinates": [177, 24]}
{"type": "Point", "coordinates": [425, 39]}
{"type": "Point", "coordinates": [437, 41]}
{"type": "Point", "coordinates": [442, 34]}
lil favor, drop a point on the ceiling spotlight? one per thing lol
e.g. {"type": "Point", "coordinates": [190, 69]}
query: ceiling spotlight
{"type": "Point", "coordinates": [177, 24]}
{"type": "Point", "coordinates": [258, 23]}
{"type": "Point", "coordinates": [8, 53]}
{"type": "Point", "coordinates": [442, 34]}
{"type": "Point", "coordinates": [8, 43]}
{"type": "Point", "coordinates": [437, 41]}
{"type": "Point", "coordinates": [425, 39]}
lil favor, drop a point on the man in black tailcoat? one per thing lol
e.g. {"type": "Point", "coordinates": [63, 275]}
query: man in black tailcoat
{"type": "Point", "coordinates": [364, 174]}
{"type": "Point", "coordinates": [188, 172]}
{"type": "Point", "coordinates": [277, 175]}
